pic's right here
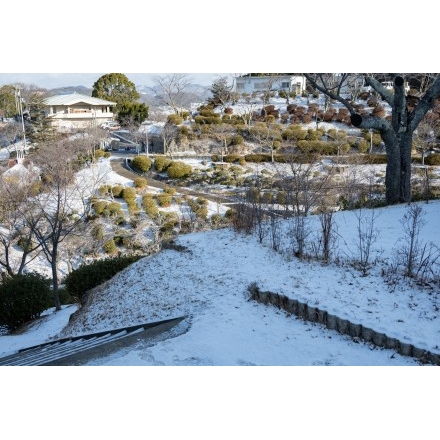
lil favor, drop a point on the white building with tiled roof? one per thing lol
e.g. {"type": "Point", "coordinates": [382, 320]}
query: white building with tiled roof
{"type": "Point", "coordinates": [78, 111]}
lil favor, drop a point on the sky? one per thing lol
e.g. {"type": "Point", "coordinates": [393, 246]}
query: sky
{"type": "Point", "coordinates": [54, 80]}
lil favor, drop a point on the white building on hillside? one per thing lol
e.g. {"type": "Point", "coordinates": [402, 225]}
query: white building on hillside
{"type": "Point", "coordinates": [78, 111]}
{"type": "Point", "coordinates": [256, 84]}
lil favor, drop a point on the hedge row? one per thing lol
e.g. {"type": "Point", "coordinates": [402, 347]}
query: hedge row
{"type": "Point", "coordinates": [88, 276]}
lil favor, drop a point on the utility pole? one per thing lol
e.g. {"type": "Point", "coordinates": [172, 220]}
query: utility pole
{"type": "Point", "coordinates": [20, 152]}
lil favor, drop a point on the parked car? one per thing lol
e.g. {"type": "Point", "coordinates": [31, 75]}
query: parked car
{"type": "Point", "coordinates": [110, 125]}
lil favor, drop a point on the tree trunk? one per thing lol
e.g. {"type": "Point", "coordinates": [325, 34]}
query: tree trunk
{"type": "Point", "coordinates": [56, 294]}
{"type": "Point", "coordinates": [393, 173]}
{"type": "Point", "coordinates": [405, 160]}
{"type": "Point", "coordinates": [398, 171]}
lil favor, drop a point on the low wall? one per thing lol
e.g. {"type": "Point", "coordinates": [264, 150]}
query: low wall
{"type": "Point", "coordinates": [342, 326]}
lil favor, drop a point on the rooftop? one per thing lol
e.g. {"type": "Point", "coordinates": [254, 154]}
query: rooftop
{"type": "Point", "coordinates": [74, 98]}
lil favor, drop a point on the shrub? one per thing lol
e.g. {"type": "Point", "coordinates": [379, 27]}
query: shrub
{"type": "Point", "coordinates": [110, 246]}
{"type": "Point", "coordinates": [129, 194]}
{"type": "Point", "coordinates": [119, 220]}
{"type": "Point", "coordinates": [174, 119]}
{"type": "Point", "coordinates": [432, 159]}
{"type": "Point", "coordinates": [169, 190]}
{"type": "Point", "coordinates": [178, 170]}
{"type": "Point", "coordinates": [363, 146]}
{"type": "Point", "coordinates": [140, 182]}
{"type": "Point", "coordinates": [117, 191]}
{"type": "Point", "coordinates": [257, 158]}
{"type": "Point", "coordinates": [161, 163]}
{"type": "Point", "coordinates": [133, 207]}
{"type": "Point", "coordinates": [97, 232]}
{"type": "Point", "coordinates": [164, 200]}
{"type": "Point", "coordinates": [86, 277]}
{"type": "Point", "coordinates": [104, 190]}
{"type": "Point", "coordinates": [114, 208]}
{"type": "Point", "coordinates": [142, 163]}
{"type": "Point", "coordinates": [199, 207]}
{"type": "Point", "coordinates": [23, 298]}
{"type": "Point", "coordinates": [150, 206]}
{"type": "Point", "coordinates": [231, 158]}
{"type": "Point", "coordinates": [99, 206]}
{"type": "Point", "coordinates": [184, 131]}
{"type": "Point", "coordinates": [237, 140]}
{"type": "Point", "coordinates": [208, 119]}
{"type": "Point", "coordinates": [216, 219]}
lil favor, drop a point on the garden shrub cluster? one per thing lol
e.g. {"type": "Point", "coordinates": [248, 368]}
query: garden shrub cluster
{"type": "Point", "coordinates": [199, 207]}
{"type": "Point", "coordinates": [174, 119]}
{"type": "Point", "coordinates": [88, 276]}
{"type": "Point", "coordinates": [150, 206]}
{"type": "Point", "coordinates": [23, 298]}
{"type": "Point", "coordinates": [178, 170]}
{"type": "Point", "coordinates": [142, 163]}
{"type": "Point", "coordinates": [161, 163]}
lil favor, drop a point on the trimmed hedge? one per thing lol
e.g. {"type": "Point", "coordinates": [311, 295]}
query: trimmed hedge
{"type": "Point", "coordinates": [161, 163]}
{"type": "Point", "coordinates": [178, 170]}
{"type": "Point", "coordinates": [88, 276]}
{"type": "Point", "coordinates": [142, 163]}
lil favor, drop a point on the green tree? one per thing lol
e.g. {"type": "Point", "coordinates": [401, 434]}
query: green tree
{"type": "Point", "coordinates": [39, 127]}
{"type": "Point", "coordinates": [221, 92]}
{"type": "Point", "coordinates": [115, 87]}
{"type": "Point", "coordinates": [132, 113]}
{"type": "Point", "coordinates": [7, 101]}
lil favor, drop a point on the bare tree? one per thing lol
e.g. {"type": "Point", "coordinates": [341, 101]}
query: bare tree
{"type": "Point", "coordinates": [367, 235]}
{"type": "Point", "coordinates": [174, 90]}
{"type": "Point", "coordinates": [265, 134]}
{"type": "Point", "coordinates": [169, 136]}
{"type": "Point", "coordinates": [246, 110]}
{"type": "Point", "coordinates": [396, 133]}
{"type": "Point", "coordinates": [58, 211]}
{"type": "Point", "coordinates": [224, 134]}
{"type": "Point", "coordinates": [14, 232]}
{"type": "Point", "coordinates": [425, 135]}
{"type": "Point", "coordinates": [412, 223]}
{"type": "Point", "coordinates": [327, 221]}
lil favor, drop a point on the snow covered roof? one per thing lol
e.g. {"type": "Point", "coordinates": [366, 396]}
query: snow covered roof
{"type": "Point", "coordinates": [74, 98]}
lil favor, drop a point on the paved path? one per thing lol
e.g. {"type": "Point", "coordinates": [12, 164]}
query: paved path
{"type": "Point", "coordinates": [119, 167]}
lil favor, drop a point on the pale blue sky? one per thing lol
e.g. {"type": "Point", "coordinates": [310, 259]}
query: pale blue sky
{"type": "Point", "coordinates": [53, 80]}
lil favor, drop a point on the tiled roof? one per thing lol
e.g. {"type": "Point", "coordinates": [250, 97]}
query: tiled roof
{"type": "Point", "coordinates": [74, 98]}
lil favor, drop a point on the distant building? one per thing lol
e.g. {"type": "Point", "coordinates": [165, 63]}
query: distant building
{"type": "Point", "coordinates": [287, 82]}
{"type": "Point", "coordinates": [78, 111]}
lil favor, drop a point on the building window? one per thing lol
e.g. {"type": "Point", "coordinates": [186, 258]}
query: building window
{"type": "Point", "coordinates": [285, 84]}
{"type": "Point", "coordinates": [240, 86]}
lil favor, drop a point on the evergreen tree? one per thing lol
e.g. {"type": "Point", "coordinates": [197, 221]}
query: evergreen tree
{"type": "Point", "coordinates": [115, 87]}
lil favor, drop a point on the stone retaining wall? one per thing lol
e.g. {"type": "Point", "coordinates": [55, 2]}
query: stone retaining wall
{"type": "Point", "coordinates": [343, 326]}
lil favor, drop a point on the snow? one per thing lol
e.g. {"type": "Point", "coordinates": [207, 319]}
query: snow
{"type": "Point", "coordinates": [206, 280]}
